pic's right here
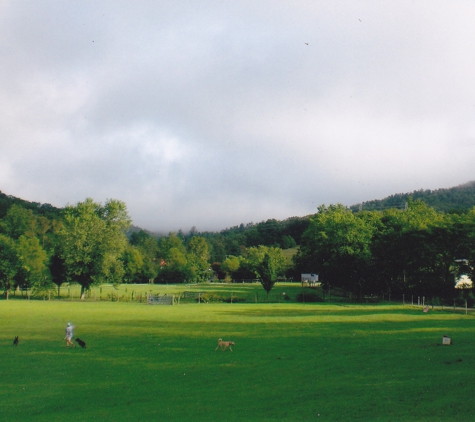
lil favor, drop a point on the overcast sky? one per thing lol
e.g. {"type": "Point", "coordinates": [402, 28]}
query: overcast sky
{"type": "Point", "coordinates": [216, 113]}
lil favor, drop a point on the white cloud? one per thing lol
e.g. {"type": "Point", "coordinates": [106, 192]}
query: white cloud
{"type": "Point", "coordinates": [216, 114]}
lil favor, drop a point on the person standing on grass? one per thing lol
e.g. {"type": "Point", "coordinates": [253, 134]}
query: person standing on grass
{"type": "Point", "coordinates": [69, 335]}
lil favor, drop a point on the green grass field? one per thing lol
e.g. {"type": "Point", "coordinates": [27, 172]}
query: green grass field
{"type": "Point", "coordinates": [305, 362]}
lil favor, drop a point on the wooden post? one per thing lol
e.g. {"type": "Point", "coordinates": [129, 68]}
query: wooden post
{"type": "Point", "coordinates": [466, 308]}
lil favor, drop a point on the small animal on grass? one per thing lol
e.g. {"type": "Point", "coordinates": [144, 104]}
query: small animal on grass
{"type": "Point", "coordinates": [224, 345]}
{"type": "Point", "coordinates": [15, 342]}
{"type": "Point", "coordinates": [81, 343]}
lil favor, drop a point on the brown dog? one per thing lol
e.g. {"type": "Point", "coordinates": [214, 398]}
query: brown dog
{"type": "Point", "coordinates": [224, 345]}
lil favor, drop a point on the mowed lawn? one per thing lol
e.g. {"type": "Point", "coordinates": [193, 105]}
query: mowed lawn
{"type": "Point", "coordinates": [291, 362]}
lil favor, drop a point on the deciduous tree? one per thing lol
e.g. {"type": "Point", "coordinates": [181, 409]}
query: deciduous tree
{"type": "Point", "coordinates": [92, 242]}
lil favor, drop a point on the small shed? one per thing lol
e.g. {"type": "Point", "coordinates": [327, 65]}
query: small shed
{"type": "Point", "coordinates": [309, 279]}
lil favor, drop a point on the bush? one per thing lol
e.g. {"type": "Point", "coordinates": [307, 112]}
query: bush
{"type": "Point", "coordinates": [308, 297]}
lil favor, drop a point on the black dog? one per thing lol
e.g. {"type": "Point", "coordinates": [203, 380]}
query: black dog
{"type": "Point", "coordinates": [81, 343]}
{"type": "Point", "coordinates": [15, 342]}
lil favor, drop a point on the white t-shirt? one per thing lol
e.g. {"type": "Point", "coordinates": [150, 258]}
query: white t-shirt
{"type": "Point", "coordinates": [69, 332]}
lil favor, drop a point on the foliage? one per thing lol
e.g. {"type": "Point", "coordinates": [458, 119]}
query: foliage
{"type": "Point", "coordinates": [93, 241]}
{"type": "Point", "coordinates": [268, 272]}
{"type": "Point", "coordinates": [133, 262]}
{"type": "Point", "coordinates": [10, 263]}
{"type": "Point", "coordinates": [231, 265]}
{"type": "Point", "coordinates": [148, 248]}
{"type": "Point", "coordinates": [337, 245]}
{"type": "Point", "coordinates": [34, 264]}
{"type": "Point", "coordinates": [58, 270]}
{"type": "Point", "coordinates": [458, 199]}
{"type": "Point", "coordinates": [411, 248]}
{"type": "Point", "coordinates": [198, 259]}
{"type": "Point", "coordinates": [394, 251]}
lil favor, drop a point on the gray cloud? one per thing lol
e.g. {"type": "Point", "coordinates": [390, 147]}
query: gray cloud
{"type": "Point", "coordinates": [213, 114]}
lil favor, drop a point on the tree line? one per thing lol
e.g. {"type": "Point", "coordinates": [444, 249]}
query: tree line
{"type": "Point", "coordinates": [87, 244]}
{"type": "Point", "coordinates": [415, 251]}
{"type": "Point", "coordinates": [457, 199]}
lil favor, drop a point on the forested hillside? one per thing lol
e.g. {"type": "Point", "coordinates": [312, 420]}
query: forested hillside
{"type": "Point", "coordinates": [6, 201]}
{"type": "Point", "coordinates": [457, 199]}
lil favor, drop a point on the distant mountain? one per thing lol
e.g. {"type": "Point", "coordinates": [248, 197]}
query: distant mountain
{"type": "Point", "coordinates": [455, 200]}
{"type": "Point", "coordinates": [6, 201]}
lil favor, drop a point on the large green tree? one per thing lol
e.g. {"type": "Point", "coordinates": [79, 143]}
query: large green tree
{"type": "Point", "coordinates": [198, 259]}
{"type": "Point", "coordinates": [271, 268]}
{"type": "Point", "coordinates": [337, 245]}
{"type": "Point", "coordinates": [92, 242]}
{"type": "Point", "coordinates": [35, 264]}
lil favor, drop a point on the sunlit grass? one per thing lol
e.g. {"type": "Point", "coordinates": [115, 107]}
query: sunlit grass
{"type": "Point", "coordinates": [291, 362]}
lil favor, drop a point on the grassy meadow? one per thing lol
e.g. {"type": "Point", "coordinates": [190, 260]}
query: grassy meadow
{"type": "Point", "coordinates": [305, 362]}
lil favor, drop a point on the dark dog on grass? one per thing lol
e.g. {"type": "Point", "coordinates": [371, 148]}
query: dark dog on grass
{"type": "Point", "coordinates": [81, 343]}
{"type": "Point", "coordinates": [15, 342]}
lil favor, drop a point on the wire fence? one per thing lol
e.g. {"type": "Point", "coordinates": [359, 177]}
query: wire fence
{"type": "Point", "coordinates": [244, 293]}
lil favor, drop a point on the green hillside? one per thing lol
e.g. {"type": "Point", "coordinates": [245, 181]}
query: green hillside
{"type": "Point", "coordinates": [457, 199]}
